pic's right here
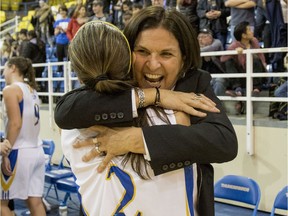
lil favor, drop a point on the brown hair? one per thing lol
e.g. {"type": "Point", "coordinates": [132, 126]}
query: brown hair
{"type": "Point", "coordinates": [174, 22]}
{"type": "Point", "coordinates": [101, 57]}
{"type": "Point", "coordinates": [25, 68]}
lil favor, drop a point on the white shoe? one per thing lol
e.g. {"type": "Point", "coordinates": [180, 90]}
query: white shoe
{"type": "Point", "coordinates": [46, 205]}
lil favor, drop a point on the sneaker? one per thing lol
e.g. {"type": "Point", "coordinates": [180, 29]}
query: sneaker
{"type": "Point", "coordinates": [46, 205]}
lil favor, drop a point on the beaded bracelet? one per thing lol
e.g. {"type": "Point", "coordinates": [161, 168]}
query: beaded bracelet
{"type": "Point", "coordinates": [157, 97]}
{"type": "Point", "coordinates": [141, 96]}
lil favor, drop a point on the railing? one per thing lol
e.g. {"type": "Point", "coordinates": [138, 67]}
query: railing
{"type": "Point", "coordinates": [249, 75]}
{"type": "Point", "coordinates": [68, 78]}
{"type": "Point", "coordinates": [9, 26]}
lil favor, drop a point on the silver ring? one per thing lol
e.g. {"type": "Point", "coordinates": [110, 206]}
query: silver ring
{"type": "Point", "coordinates": [95, 140]}
{"type": "Point", "coordinates": [97, 149]}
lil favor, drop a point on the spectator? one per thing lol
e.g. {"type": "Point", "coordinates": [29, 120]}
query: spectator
{"type": "Point", "coordinates": [99, 13]}
{"type": "Point", "coordinates": [237, 63]}
{"type": "Point", "coordinates": [125, 19]}
{"type": "Point", "coordinates": [5, 52]}
{"type": "Point", "coordinates": [78, 19]}
{"type": "Point", "coordinates": [157, 3]}
{"type": "Point", "coordinates": [136, 7]}
{"type": "Point", "coordinates": [262, 29]}
{"type": "Point", "coordinates": [43, 21]}
{"type": "Point", "coordinates": [212, 64]}
{"type": "Point", "coordinates": [189, 9]}
{"type": "Point", "coordinates": [277, 15]}
{"type": "Point", "coordinates": [14, 49]}
{"type": "Point", "coordinates": [282, 90]}
{"type": "Point", "coordinates": [23, 41]}
{"type": "Point", "coordinates": [35, 50]}
{"type": "Point", "coordinates": [279, 110]}
{"type": "Point", "coordinates": [213, 15]}
{"type": "Point", "coordinates": [61, 38]}
{"type": "Point", "coordinates": [241, 10]}
{"type": "Point", "coordinates": [9, 39]}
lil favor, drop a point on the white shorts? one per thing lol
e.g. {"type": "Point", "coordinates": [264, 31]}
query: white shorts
{"type": "Point", "coordinates": [28, 175]}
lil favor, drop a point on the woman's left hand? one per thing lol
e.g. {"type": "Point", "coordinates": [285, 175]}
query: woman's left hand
{"type": "Point", "coordinates": [113, 142]}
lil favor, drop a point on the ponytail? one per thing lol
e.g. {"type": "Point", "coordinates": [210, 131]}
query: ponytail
{"type": "Point", "coordinates": [25, 68]}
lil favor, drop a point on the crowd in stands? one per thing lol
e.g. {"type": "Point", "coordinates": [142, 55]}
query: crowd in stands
{"type": "Point", "coordinates": [220, 24]}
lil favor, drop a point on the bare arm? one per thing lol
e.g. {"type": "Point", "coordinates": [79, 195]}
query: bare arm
{"type": "Point", "coordinates": [12, 95]}
{"type": "Point", "coordinates": [234, 3]}
{"type": "Point", "coordinates": [249, 4]}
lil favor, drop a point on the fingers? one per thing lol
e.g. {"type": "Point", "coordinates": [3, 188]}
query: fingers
{"type": "Point", "coordinates": [200, 101]}
{"type": "Point", "coordinates": [204, 99]}
{"type": "Point", "coordinates": [105, 163]}
{"type": "Point", "coordinates": [5, 147]}
{"type": "Point", "coordinates": [85, 142]}
{"type": "Point", "coordinates": [93, 153]}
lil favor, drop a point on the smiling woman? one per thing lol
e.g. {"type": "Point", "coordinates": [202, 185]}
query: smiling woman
{"type": "Point", "coordinates": [159, 139]}
{"type": "Point", "coordinates": [157, 59]}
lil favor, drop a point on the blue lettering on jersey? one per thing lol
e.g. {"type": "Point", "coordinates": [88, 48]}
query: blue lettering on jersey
{"type": "Point", "coordinates": [129, 187]}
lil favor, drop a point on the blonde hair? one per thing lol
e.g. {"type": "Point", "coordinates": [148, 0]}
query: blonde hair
{"type": "Point", "coordinates": [101, 57]}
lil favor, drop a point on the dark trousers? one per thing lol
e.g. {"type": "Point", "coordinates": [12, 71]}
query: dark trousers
{"type": "Point", "coordinates": [61, 52]}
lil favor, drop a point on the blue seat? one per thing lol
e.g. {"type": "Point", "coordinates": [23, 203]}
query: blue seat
{"type": "Point", "coordinates": [238, 188]}
{"type": "Point", "coordinates": [49, 148]}
{"type": "Point", "coordinates": [281, 200]}
{"type": "Point", "coordinates": [53, 175]}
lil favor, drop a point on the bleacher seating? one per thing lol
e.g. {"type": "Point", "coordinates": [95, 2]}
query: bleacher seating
{"type": "Point", "coordinates": [15, 5]}
{"type": "Point", "coordinates": [2, 16]}
{"type": "Point", "coordinates": [5, 5]}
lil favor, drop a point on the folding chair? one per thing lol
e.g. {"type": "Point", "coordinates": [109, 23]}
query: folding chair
{"type": "Point", "coordinates": [281, 200]}
{"type": "Point", "coordinates": [53, 175]}
{"type": "Point", "coordinates": [49, 148]}
{"type": "Point", "coordinates": [240, 189]}
{"type": "Point", "coordinates": [69, 186]}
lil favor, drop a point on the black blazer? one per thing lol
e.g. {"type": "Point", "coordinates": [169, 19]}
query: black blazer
{"type": "Point", "coordinates": [208, 140]}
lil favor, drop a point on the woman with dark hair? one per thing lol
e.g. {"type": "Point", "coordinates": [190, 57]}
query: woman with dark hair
{"type": "Point", "coordinates": [36, 51]}
{"type": "Point", "coordinates": [23, 170]}
{"type": "Point", "coordinates": [166, 57]}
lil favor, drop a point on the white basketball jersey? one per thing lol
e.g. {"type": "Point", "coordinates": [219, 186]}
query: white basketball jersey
{"type": "Point", "coordinates": [29, 108]}
{"type": "Point", "coordinates": [120, 191]}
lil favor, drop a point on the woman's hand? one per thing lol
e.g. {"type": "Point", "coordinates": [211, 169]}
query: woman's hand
{"type": "Point", "coordinates": [5, 147]}
{"type": "Point", "coordinates": [112, 142]}
{"type": "Point", "coordinates": [6, 166]}
{"type": "Point", "coordinates": [187, 102]}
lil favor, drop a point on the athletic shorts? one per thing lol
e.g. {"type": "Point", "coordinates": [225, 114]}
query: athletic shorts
{"type": "Point", "coordinates": [28, 165]}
